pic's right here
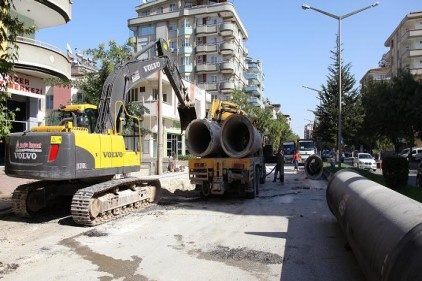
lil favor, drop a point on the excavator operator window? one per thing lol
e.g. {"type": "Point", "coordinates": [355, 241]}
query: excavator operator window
{"type": "Point", "coordinates": [87, 119]}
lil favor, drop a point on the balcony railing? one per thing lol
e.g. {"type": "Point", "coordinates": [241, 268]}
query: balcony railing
{"type": "Point", "coordinates": [43, 57]}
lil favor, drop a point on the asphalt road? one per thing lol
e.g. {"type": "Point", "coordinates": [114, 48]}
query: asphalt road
{"type": "Point", "coordinates": [287, 233]}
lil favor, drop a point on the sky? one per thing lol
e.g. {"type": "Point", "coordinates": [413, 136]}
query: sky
{"type": "Point", "coordinates": [294, 45]}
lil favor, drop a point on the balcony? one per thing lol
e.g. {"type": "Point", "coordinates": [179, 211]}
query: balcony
{"type": "Point", "coordinates": [252, 77]}
{"type": "Point", "coordinates": [227, 86]}
{"type": "Point", "coordinates": [256, 102]}
{"type": "Point", "coordinates": [227, 67]}
{"type": "Point", "coordinates": [208, 86]}
{"type": "Point", "coordinates": [227, 48]}
{"type": "Point", "coordinates": [204, 49]}
{"type": "Point", "coordinates": [185, 50]}
{"type": "Point", "coordinates": [185, 68]}
{"type": "Point", "coordinates": [185, 31]}
{"type": "Point", "coordinates": [204, 30]}
{"type": "Point", "coordinates": [206, 67]}
{"type": "Point", "coordinates": [227, 29]}
{"type": "Point", "coordinates": [45, 13]}
{"type": "Point", "coordinates": [407, 53]}
{"type": "Point", "coordinates": [412, 34]}
{"type": "Point", "coordinates": [42, 60]}
{"type": "Point", "coordinates": [254, 91]}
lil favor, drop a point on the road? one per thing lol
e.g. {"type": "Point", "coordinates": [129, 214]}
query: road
{"type": "Point", "coordinates": [287, 233]}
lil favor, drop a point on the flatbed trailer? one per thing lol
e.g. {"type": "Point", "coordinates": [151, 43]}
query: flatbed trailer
{"type": "Point", "coordinates": [217, 176]}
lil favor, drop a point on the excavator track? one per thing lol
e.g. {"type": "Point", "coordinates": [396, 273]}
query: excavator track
{"type": "Point", "coordinates": [109, 200]}
{"type": "Point", "coordinates": [20, 198]}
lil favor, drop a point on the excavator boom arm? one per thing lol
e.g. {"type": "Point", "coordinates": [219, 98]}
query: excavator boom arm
{"type": "Point", "coordinates": [129, 73]}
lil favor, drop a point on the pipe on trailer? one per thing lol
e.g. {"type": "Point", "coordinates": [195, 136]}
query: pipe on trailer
{"type": "Point", "coordinates": [383, 227]}
{"type": "Point", "coordinates": [314, 167]}
{"type": "Point", "coordinates": [239, 137]}
{"type": "Point", "coordinates": [203, 138]}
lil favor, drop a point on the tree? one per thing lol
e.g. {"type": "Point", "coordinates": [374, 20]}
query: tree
{"type": "Point", "coordinates": [276, 129]}
{"type": "Point", "coordinates": [326, 127]}
{"type": "Point", "coordinates": [10, 28]}
{"type": "Point", "coordinates": [393, 109]}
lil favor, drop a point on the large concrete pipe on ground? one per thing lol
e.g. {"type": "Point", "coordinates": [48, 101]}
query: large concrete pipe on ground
{"type": "Point", "coordinates": [203, 138]}
{"type": "Point", "coordinates": [239, 138]}
{"type": "Point", "coordinates": [383, 227]}
{"type": "Point", "coordinates": [314, 167]}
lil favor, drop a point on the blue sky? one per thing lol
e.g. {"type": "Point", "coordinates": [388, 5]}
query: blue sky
{"type": "Point", "coordinates": [293, 44]}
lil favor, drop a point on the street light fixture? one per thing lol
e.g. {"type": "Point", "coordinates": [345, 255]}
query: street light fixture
{"type": "Point", "coordinates": [339, 18]}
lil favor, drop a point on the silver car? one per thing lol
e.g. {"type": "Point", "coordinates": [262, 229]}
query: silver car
{"type": "Point", "coordinates": [365, 161]}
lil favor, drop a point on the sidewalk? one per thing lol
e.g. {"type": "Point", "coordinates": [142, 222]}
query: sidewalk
{"type": "Point", "coordinates": [169, 181]}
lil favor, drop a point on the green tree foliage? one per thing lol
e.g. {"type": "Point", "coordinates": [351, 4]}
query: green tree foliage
{"type": "Point", "coordinates": [276, 129]}
{"type": "Point", "coordinates": [393, 109]}
{"type": "Point", "coordinates": [10, 28]}
{"type": "Point", "coordinates": [326, 127]}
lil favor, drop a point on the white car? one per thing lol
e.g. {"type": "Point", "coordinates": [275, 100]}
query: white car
{"type": "Point", "coordinates": [365, 161]}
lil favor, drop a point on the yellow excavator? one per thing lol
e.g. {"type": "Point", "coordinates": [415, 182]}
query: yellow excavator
{"type": "Point", "coordinates": [84, 155]}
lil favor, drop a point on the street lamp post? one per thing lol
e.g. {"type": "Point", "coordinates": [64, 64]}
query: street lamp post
{"type": "Point", "coordinates": [339, 18]}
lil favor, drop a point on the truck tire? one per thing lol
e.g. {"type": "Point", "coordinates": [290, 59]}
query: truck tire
{"type": "Point", "coordinates": [262, 175]}
{"type": "Point", "coordinates": [205, 190]}
{"type": "Point", "coordinates": [255, 184]}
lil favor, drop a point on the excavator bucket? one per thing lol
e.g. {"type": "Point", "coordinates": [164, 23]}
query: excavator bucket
{"type": "Point", "coordinates": [187, 114]}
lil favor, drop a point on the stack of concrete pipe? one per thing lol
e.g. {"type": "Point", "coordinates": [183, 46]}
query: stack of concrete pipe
{"type": "Point", "coordinates": [236, 137]}
{"type": "Point", "coordinates": [383, 227]}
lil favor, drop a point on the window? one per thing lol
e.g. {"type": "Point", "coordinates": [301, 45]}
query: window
{"type": "Point", "coordinates": [172, 45]}
{"type": "Point", "coordinates": [186, 23]}
{"type": "Point", "coordinates": [185, 61]}
{"type": "Point", "coordinates": [154, 94]}
{"type": "Point", "coordinates": [174, 145]}
{"type": "Point", "coordinates": [146, 13]}
{"type": "Point", "coordinates": [172, 7]}
{"type": "Point", "coordinates": [49, 101]}
{"type": "Point", "coordinates": [213, 59]}
{"type": "Point", "coordinates": [142, 89]}
{"type": "Point", "coordinates": [186, 42]}
{"type": "Point", "coordinates": [133, 95]}
{"type": "Point", "coordinates": [146, 30]}
{"type": "Point", "coordinates": [80, 97]}
{"type": "Point", "coordinates": [172, 27]}
{"type": "Point", "coordinates": [160, 10]}
{"type": "Point", "coordinates": [164, 97]}
{"type": "Point", "coordinates": [213, 78]}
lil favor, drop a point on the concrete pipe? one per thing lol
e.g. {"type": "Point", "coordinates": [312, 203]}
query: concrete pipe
{"type": "Point", "coordinates": [239, 138]}
{"type": "Point", "coordinates": [314, 167]}
{"type": "Point", "coordinates": [383, 227]}
{"type": "Point", "coordinates": [203, 138]}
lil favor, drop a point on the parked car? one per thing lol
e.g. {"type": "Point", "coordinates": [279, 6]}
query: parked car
{"type": "Point", "coordinates": [415, 150]}
{"type": "Point", "coordinates": [419, 176]}
{"type": "Point", "coordinates": [365, 161]}
{"type": "Point", "coordinates": [418, 157]}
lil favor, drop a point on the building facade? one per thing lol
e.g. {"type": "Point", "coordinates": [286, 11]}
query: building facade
{"type": "Point", "coordinates": [206, 38]}
{"type": "Point", "coordinates": [405, 46]}
{"type": "Point", "coordinates": [36, 62]}
{"type": "Point", "coordinates": [255, 77]}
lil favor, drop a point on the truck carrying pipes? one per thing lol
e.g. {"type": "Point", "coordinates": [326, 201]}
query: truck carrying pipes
{"type": "Point", "coordinates": [228, 150]}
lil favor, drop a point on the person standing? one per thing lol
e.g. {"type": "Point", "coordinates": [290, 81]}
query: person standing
{"type": "Point", "coordinates": [279, 167]}
{"type": "Point", "coordinates": [296, 158]}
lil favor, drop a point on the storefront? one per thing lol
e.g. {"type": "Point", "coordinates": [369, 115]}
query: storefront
{"type": "Point", "coordinates": [28, 102]}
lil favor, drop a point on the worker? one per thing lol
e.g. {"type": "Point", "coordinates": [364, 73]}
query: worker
{"type": "Point", "coordinates": [279, 167]}
{"type": "Point", "coordinates": [296, 158]}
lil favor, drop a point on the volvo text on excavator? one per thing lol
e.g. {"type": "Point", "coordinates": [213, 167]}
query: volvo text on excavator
{"type": "Point", "coordinates": [84, 155]}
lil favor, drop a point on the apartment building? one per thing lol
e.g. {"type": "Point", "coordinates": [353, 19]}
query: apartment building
{"type": "Point", "coordinates": [206, 38]}
{"type": "Point", "coordinates": [36, 61]}
{"type": "Point", "coordinates": [255, 77]}
{"type": "Point", "coordinates": [405, 45]}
